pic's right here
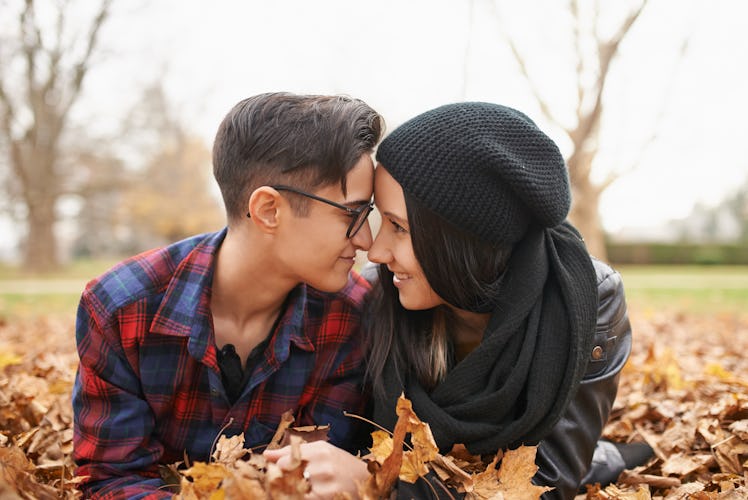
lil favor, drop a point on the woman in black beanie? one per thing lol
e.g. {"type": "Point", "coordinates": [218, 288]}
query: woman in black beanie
{"type": "Point", "coordinates": [490, 315]}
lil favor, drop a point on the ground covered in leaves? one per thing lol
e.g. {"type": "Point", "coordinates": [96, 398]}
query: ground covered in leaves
{"type": "Point", "coordinates": [684, 391]}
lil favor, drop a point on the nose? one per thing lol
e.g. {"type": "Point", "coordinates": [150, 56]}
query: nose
{"type": "Point", "coordinates": [379, 252]}
{"type": "Point", "coordinates": [362, 239]}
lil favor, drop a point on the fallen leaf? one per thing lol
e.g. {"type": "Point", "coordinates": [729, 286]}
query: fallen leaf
{"type": "Point", "coordinates": [286, 421]}
{"type": "Point", "coordinates": [229, 450]}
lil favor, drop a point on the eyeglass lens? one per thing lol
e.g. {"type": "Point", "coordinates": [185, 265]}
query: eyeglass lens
{"type": "Point", "coordinates": [358, 222]}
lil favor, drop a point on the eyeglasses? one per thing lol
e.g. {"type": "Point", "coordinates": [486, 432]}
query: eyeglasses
{"type": "Point", "coordinates": [358, 215]}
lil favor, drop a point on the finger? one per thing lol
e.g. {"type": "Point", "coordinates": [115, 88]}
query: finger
{"type": "Point", "coordinates": [274, 455]}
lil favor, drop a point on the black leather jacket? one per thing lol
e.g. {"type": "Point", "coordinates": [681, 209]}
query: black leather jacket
{"type": "Point", "coordinates": [564, 456]}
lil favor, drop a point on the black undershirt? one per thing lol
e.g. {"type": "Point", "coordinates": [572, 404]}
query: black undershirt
{"type": "Point", "coordinates": [233, 377]}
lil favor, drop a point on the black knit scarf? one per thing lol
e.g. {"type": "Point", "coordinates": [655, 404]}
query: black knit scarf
{"type": "Point", "coordinates": [514, 387]}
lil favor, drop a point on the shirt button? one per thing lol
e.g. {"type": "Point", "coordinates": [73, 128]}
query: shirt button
{"type": "Point", "coordinates": [213, 391]}
{"type": "Point", "coordinates": [597, 352]}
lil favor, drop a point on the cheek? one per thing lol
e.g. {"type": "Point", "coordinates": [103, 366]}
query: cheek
{"type": "Point", "coordinates": [428, 296]}
{"type": "Point", "coordinates": [418, 294]}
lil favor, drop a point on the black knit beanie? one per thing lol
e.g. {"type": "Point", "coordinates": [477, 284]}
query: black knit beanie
{"type": "Point", "coordinates": [484, 167]}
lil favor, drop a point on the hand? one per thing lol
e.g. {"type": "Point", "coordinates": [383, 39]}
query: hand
{"type": "Point", "coordinates": [331, 469]}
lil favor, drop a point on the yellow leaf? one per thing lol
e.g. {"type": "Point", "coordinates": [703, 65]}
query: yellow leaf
{"type": "Point", "coordinates": [516, 472]}
{"type": "Point", "coordinates": [381, 446]}
{"type": "Point", "coordinates": [412, 467]}
{"type": "Point", "coordinates": [421, 436]}
{"type": "Point", "coordinates": [513, 480]}
{"type": "Point", "coordinates": [218, 495]}
{"type": "Point", "coordinates": [9, 358]}
{"type": "Point", "coordinates": [206, 478]}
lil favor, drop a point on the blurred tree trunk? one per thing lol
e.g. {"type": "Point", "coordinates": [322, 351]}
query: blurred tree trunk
{"type": "Point", "coordinates": [34, 110]}
{"type": "Point", "coordinates": [589, 109]}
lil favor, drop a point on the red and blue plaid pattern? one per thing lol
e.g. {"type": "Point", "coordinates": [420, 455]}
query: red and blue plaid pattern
{"type": "Point", "coordinates": [148, 388]}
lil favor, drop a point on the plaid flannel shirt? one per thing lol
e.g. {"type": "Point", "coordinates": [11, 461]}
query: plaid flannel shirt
{"type": "Point", "coordinates": [148, 387]}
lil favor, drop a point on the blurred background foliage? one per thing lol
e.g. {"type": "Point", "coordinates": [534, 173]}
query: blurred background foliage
{"type": "Point", "coordinates": [76, 192]}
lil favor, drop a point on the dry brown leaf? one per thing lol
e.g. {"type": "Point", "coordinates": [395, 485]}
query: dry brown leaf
{"type": "Point", "coordinates": [683, 465]}
{"type": "Point", "coordinates": [308, 434]}
{"type": "Point", "coordinates": [451, 474]}
{"type": "Point", "coordinates": [514, 477]}
{"type": "Point", "coordinates": [422, 440]}
{"type": "Point", "coordinates": [615, 493]}
{"type": "Point", "coordinates": [632, 478]}
{"type": "Point", "coordinates": [246, 482]}
{"type": "Point", "coordinates": [229, 450]}
{"type": "Point", "coordinates": [485, 484]}
{"type": "Point", "coordinates": [381, 447]}
{"type": "Point", "coordinates": [286, 421]}
{"type": "Point", "coordinates": [383, 477]}
{"type": "Point", "coordinates": [740, 429]}
{"type": "Point", "coordinates": [684, 370]}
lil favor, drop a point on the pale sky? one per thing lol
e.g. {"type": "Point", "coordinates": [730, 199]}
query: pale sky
{"type": "Point", "coordinates": [406, 56]}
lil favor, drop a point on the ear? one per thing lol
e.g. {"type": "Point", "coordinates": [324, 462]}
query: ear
{"type": "Point", "coordinates": [264, 208]}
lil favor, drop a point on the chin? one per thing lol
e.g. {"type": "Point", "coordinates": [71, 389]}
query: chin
{"type": "Point", "coordinates": [417, 303]}
{"type": "Point", "coordinates": [331, 285]}
{"type": "Point", "coordinates": [410, 305]}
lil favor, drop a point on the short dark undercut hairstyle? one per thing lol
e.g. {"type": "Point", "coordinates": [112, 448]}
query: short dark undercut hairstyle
{"type": "Point", "coordinates": [307, 141]}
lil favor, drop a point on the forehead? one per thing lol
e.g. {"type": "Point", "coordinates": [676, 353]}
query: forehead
{"type": "Point", "coordinates": [359, 183]}
{"type": "Point", "coordinates": [388, 194]}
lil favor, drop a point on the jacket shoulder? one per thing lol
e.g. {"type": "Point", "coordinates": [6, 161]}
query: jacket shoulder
{"type": "Point", "coordinates": [610, 291]}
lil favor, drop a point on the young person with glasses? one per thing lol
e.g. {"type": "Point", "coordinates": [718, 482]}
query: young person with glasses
{"type": "Point", "coordinates": [224, 332]}
{"type": "Point", "coordinates": [489, 313]}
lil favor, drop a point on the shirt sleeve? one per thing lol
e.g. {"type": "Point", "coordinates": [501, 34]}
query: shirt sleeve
{"type": "Point", "coordinates": [114, 448]}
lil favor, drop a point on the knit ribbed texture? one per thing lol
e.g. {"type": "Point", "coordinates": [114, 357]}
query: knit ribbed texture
{"type": "Point", "coordinates": [484, 167]}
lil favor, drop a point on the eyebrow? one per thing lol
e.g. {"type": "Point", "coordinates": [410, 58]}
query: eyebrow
{"type": "Point", "coordinates": [399, 219]}
{"type": "Point", "coordinates": [356, 203]}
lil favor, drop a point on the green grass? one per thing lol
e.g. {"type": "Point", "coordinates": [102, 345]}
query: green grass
{"type": "Point", "coordinates": [697, 289]}
{"type": "Point", "coordinates": [48, 304]}
{"type": "Point", "coordinates": [24, 295]}
{"type": "Point", "coordinates": [79, 269]}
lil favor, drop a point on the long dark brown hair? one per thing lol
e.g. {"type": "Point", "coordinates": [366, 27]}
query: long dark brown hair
{"type": "Point", "coordinates": [464, 270]}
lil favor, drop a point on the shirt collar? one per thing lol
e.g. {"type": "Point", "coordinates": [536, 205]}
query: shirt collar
{"type": "Point", "coordinates": [294, 323]}
{"type": "Point", "coordinates": [185, 307]}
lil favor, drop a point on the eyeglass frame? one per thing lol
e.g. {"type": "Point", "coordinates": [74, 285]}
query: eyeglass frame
{"type": "Point", "coordinates": [354, 213]}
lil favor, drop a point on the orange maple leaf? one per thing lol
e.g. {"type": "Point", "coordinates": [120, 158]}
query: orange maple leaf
{"type": "Point", "coordinates": [512, 480]}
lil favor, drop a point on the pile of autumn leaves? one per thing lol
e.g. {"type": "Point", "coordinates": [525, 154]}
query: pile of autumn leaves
{"type": "Point", "coordinates": [684, 391]}
{"type": "Point", "coordinates": [235, 472]}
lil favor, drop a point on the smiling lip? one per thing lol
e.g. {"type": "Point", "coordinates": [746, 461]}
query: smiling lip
{"type": "Point", "coordinates": [398, 279]}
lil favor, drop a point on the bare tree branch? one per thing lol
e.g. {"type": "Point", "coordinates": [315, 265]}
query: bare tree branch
{"type": "Point", "coordinates": [82, 66]}
{"type": "Point", "coordinates": [668, 94]}
{"type": "Point", "coordinates": [542, 103]}
{"type": "Point", "coordinates": [606, 52]}
{"type": "Point", "coordinates": [33, 109]}
{"type": "Point", "coordinates": [574, 7]}
{"type": "Point", "coordinates": [55, 55]}
{"type": "Point", "coordinates": [9, 111]}
{"type": "Point", "coordinates": [29, 49]}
